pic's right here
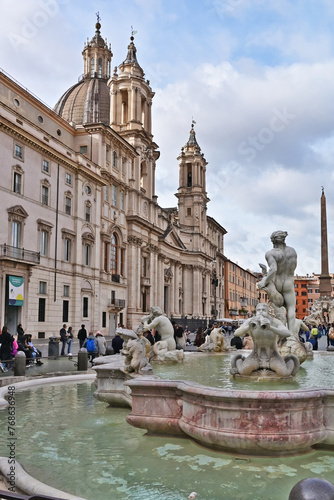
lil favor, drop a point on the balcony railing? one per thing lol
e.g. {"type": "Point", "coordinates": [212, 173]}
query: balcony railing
{"type": "Point", "coordinates": [9, 252]}
{"type": "Point", "coordinates": [117, 303]}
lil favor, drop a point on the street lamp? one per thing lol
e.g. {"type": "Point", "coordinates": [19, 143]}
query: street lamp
{"type": "Point", "coordinates": [215, 284]}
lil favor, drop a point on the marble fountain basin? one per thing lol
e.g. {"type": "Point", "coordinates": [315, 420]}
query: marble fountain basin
{"type": "Point", "coordinates": [253, 421]}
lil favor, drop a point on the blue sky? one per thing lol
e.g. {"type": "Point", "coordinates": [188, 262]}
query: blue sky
{"type": "Point", "coordinates": [257, 76]}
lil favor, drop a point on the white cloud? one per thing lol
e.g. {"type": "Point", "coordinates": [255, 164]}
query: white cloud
{"type": "Point", "coordinates": [236, 67]}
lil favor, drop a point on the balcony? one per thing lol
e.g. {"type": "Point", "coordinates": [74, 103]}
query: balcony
{"type": "Point", "coordinates": [8, 252]}
{"type": "Point", "coordinates": [116, 304]}
{"type": "Point", "coordinates": [144, 281]}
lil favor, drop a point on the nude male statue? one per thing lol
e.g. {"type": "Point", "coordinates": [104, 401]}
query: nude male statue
{"type": "Point", "coordinates": [279, 280]}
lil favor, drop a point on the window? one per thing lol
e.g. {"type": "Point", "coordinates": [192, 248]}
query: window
{"type": "Point", "coordinates": [17, 183]}
{"type": "Point", "coordinates": [114, 195]}
{"type": "Point", "coordinates": [44, 243]}
{"type": "Point", "coordinates": [144, 266]}
{"type": "Point", "coordinates": [45, 195]}
{"type": "Point", "coordinates": [16, 234]}
{"type": "Point", "coordinates": [105, 193]}
{"type": "Point", "coordinates": [188, 211]}
{"type": "Point", "coordinates": [41, 309]}
{"type": "Point", "coordinates": [113, 254]}
{"type": "Point", "coordinates": [189, 175]}
{"type": "Point", "coordinates": [18, 151]}
{"type": "Point", "coordinates": [123, 165]}
{"type": "Point", "coordinates": [122, 200]}
{"type": "Point", "coordinates": [87, 213]}
{"type": "Point", "coordinates": [87, 255]}
{"type": "Point", "coordinates": [68, 178]}
{"type": "Point", "coordinates": [99, 68]}
{"type": "Point", "coordinates": [83, 150]}
{"type": "Point", "coordinates": [67, 250]}
{"type": "Point", "coordinates": [92, 63]}
{"type": "Point", "coordinates": [114, 159]}
{"type": "Point", "coordinates": [85, 307]}
{"type": "Point", "coordinates": [68, 203]}
{"type": "Point", "coordinates": [104, 319]}
{"type": "Point", "coordinates": [88, 190]}
{"type": "Point", "coordinates": [65, 311]}
{"type": "Point", "coordinates": [66, 291]}
{"type": "Point", "coordinates": [45, 166]}
{"type": "Point", "coordinates": [42, 287]}
{"type": "Point", "coordinates": [304, 294]}
{"type": "Point", "coordinates": [107, 154]}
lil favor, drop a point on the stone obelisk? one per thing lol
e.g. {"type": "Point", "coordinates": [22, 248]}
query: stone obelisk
{"type": "Point", "coordinates": [325, 287]}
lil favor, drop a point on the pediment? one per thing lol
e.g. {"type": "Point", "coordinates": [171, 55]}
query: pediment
{"type": "Point", "coordinates": [171, 237]}
{"type": "Point", "coordinates": [18, 210]}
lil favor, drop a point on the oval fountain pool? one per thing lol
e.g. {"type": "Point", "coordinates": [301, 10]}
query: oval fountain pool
{"type": "Point", "coordinates": [71, 441]}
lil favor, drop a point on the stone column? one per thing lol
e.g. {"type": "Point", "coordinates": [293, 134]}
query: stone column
{"type": "Point", "coordinates": [176, 288]}
{"type": "Point", "coordinates": [160, 282]}
{"type": "Point", "coordinates": [172, 290]}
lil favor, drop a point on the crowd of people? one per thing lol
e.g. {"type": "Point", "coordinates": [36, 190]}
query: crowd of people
{"type": "Point", "coordinates": [96, 345]}
{"type": "Point", "coordinates": [10, 346]}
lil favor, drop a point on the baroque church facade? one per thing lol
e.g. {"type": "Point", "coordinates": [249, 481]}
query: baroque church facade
{"type": "Point", "coordinates": [83, 239]}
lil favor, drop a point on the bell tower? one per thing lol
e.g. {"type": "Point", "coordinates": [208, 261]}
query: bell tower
{"type": "Point", "coordinates": [131, 116]}
{"type": "Point", "coordinates": [191, 193]}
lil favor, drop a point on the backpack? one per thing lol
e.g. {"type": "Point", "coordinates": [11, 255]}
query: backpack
{"type": "Point", "coordinates": [90, 345]}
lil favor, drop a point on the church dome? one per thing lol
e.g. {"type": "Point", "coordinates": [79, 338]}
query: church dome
{"type": "Point", "coordinates": [88, 101]}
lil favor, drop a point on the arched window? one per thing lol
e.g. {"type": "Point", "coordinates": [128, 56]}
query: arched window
{"type": "Point", "coordinates": [99, 69]}
{"type": "Point", "coordinates": [113, 254]}
{"type": "Point", "coordinates": [92, 64]}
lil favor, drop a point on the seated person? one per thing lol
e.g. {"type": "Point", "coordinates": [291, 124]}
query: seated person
{"type": "Point", "coordinates": [92, 347]}
{"type": "Point", "coordinates": [236, 342]}
{"type": "Point", "coordinates": [117, 343]}
{"type": "Point", "coordinates": [32, 353]}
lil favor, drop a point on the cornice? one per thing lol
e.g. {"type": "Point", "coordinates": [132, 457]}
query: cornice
{"type": "Point", "coordinates": [36, 144]}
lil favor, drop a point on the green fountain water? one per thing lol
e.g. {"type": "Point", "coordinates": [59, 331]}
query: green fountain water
{"type": "Point", "coordinates": [214, 371]}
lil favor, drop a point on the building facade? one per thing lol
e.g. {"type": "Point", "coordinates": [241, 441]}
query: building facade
{"type": "Point", "coordinates": [83, 238]}
{"type": "Point", "coordinates": [241, 294]}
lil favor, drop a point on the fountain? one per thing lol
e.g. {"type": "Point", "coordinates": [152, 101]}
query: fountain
{"type": "Point", "coordinates": [243, 424]}
{"type": "Point", "coordinates": [253, 422]}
